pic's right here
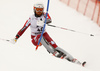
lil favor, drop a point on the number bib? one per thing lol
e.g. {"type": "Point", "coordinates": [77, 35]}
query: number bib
{"type": "Point", "coordinates": [37, 24]}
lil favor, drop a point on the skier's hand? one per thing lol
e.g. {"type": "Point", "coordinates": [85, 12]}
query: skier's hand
{"type": "Point", "coordinates": [13, 41]}
{"type": "Point", "coordinates": [48, 21]}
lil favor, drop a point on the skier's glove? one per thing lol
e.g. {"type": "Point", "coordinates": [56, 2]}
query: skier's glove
{"type": "Point", "coordinates": [13, 41]}
{"type": "Point", "coordinates": [48, 21]}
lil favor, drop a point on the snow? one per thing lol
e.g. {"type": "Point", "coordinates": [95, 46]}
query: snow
{"type": "Point", "coordinates": [22, 55]}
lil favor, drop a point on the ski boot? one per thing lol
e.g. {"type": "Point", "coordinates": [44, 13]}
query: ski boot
{"type": "Point", "coordinates": [78, 62]}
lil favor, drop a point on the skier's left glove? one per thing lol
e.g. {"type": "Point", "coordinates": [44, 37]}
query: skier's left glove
{"type": "Point", "coordinates": [48, 21]}
{"type": "Point", "coordinates": [13, 41]}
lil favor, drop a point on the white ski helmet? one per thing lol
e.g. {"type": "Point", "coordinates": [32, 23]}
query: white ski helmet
{"type": "Point", "coordinates": [38, 5]}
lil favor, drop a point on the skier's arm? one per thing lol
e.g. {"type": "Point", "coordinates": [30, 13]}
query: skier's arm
{"type": "Point", "coordinates": [20, 32]}
{"type": "Point", "coordinates": [48, 19]}
{"type": "Point", "coordinates": [23, 29]}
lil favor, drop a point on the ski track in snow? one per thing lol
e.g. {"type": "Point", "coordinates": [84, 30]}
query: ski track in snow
{"type": "Point", "coordinates": [22, 55]}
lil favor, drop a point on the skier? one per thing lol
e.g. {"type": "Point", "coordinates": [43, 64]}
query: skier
{"type": "Point", "coordinates": [36, 22]}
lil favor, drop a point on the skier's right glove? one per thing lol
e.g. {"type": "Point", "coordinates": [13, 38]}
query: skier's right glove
{"type": "Point", "coordinates": [13, 41]}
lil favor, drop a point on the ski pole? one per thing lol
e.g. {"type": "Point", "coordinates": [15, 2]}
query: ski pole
{"type": "Point", "coordinates": [70, 30]}
{"type": "Point", "coordinates": [4, 39]}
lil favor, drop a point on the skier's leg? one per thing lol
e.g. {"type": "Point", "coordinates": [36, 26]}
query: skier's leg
{"type": "Point", "coordinates": [55, 50]}
{"type": "Point", "coordinates": [35, 39]}
{"type": "Point", "coordinates": [58, 51]}
{"type": "Point", "coordinates": [49, 40]}
{"type": "Point", "coordinates": [47, 45]}
{"type": "Point", "coordinates": [65, 55]}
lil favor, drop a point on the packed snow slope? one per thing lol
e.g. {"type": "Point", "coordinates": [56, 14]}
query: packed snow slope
{"type": "Point", "coordinates": [22, 55]}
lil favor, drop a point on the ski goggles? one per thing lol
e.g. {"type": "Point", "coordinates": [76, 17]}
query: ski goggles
{"type": "Point", "coordinates": [39, 9]}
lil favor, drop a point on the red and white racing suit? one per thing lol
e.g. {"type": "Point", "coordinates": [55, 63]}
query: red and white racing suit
{"type": "Point", "coordinates": [36, 30]}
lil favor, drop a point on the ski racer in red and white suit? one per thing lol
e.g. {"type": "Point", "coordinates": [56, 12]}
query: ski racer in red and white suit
{"type": "Point", "coordinates": [36, 22]}
{"type": "Point", "coordinates": [36, 30]}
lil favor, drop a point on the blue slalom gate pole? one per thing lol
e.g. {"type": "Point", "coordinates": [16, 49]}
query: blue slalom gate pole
{"type": "Point", "coordinates": [44, 24]}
